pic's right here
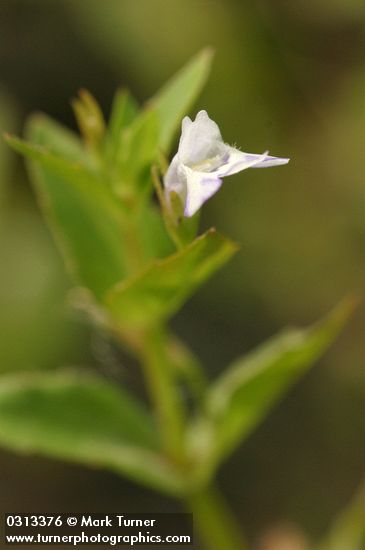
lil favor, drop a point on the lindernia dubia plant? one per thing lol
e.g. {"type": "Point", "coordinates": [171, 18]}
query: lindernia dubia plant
{"type": "Point", "coordinates": [138, 261]}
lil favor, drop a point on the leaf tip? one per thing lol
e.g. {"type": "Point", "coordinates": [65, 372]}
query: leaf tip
{"type": "Point", "coordinates": [83, 92]}
{"type": "Point", "coordinates": [342, 312]}
{"type": "Point", "coordinates": [207, 53]}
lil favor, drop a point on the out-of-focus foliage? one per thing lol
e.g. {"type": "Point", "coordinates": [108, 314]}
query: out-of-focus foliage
{"type": "Point", "coordinates": [245, 392]}
{"type": "Point", "coordinates": [81, 418]}
{"type": "Point", "coordinates": [288, 76]}
{"type": "Point", "coordinates": [163, 287]}
{"type": "Point", "coordinates": [98, 226]}
{"type": "Point", "coordinates": [348, 530]}
{"type": "Point", "coordinates": [33, 319]}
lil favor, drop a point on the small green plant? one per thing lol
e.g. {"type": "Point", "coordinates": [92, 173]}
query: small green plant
{"type": "Point", "coordinates": [137, 262]}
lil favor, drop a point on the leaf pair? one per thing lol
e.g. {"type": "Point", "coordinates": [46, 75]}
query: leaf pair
{"type": "Point", "coordinates": [87, 420]}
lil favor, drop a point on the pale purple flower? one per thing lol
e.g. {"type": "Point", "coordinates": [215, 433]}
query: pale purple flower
{"type": "Point", "coordinates": [203, 159]}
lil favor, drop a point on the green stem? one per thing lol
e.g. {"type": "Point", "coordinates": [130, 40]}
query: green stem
{"type": "Point", "coordinates": [212, 517]}
{"type": "Point", "coordinates": [214, 522]}
{"type": "Point", "coordinates": [152, 349]}
{"type": "Point", "coordinates": [164, 392]}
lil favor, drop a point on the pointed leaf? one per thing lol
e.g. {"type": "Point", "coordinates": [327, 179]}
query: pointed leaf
{"type": "Point", "coordinates": [89, 118]}
{"type": "Point", "coordinates": [124, 111]}
{"type": "Point", "coordinates": [177, 96]}
{"type": "Point", "coordinates": [154, 240]}
{"type": "Point", "coordinates": [79, 417]}
{"type": "Point", "coordinates": [247, 390]}
{"type": "Point", "coordinates": [166, 284]}
{"type": "Point", "coordinates": [58, 139]}
{"type": "Point", "coordinates": [139, 147]}
{"type": "Point", "coordinates": [83, 215]}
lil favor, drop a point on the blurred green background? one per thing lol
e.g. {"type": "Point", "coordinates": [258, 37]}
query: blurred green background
{"type": "Point", "coordinates": [288, 77]}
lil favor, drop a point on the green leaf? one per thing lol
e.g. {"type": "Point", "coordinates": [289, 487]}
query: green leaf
{"type": "Point", "coordinates": [124, 111]}
{"type": "Point", "coordinates": [89, 118]}
{"type": "Point", "coordinates": [58, 139]}
{"type": "Point", "coordinates": [139, 147]}
{"type": "Point", "coordinates": [154, 240]}
{"type": "Point", "coordinates": [176, 97]}
{"type": "Point", "coordinates": [247, 390]}
{"type": "Point", "coordinates": [82, 418]}
{"type": "Point", "coordinates": [165, 284]}
{"type": "Point", "coordinates": [83, 214]}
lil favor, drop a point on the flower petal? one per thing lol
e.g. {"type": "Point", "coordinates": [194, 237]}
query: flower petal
{"type": "Point", "coordinates": [175, 181]}
{"type": "Point", "coordinates": [268, 161]}
{"type": "Point", "coordinates": [172, 179]}
{"type": "Point", "coordinates": [186, 122]}
{"type": "Point", "coordinates": [200, 186]}
{"type": "Point", "coordinates": [200, 140]}
{"type": "Point", "coordinates": [203, 159]}
{"type": "Point", "coordinates": [238, 161]}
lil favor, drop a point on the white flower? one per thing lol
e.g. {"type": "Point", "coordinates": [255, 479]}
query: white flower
{"type": "Point", "coordinates": [203, 159]}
